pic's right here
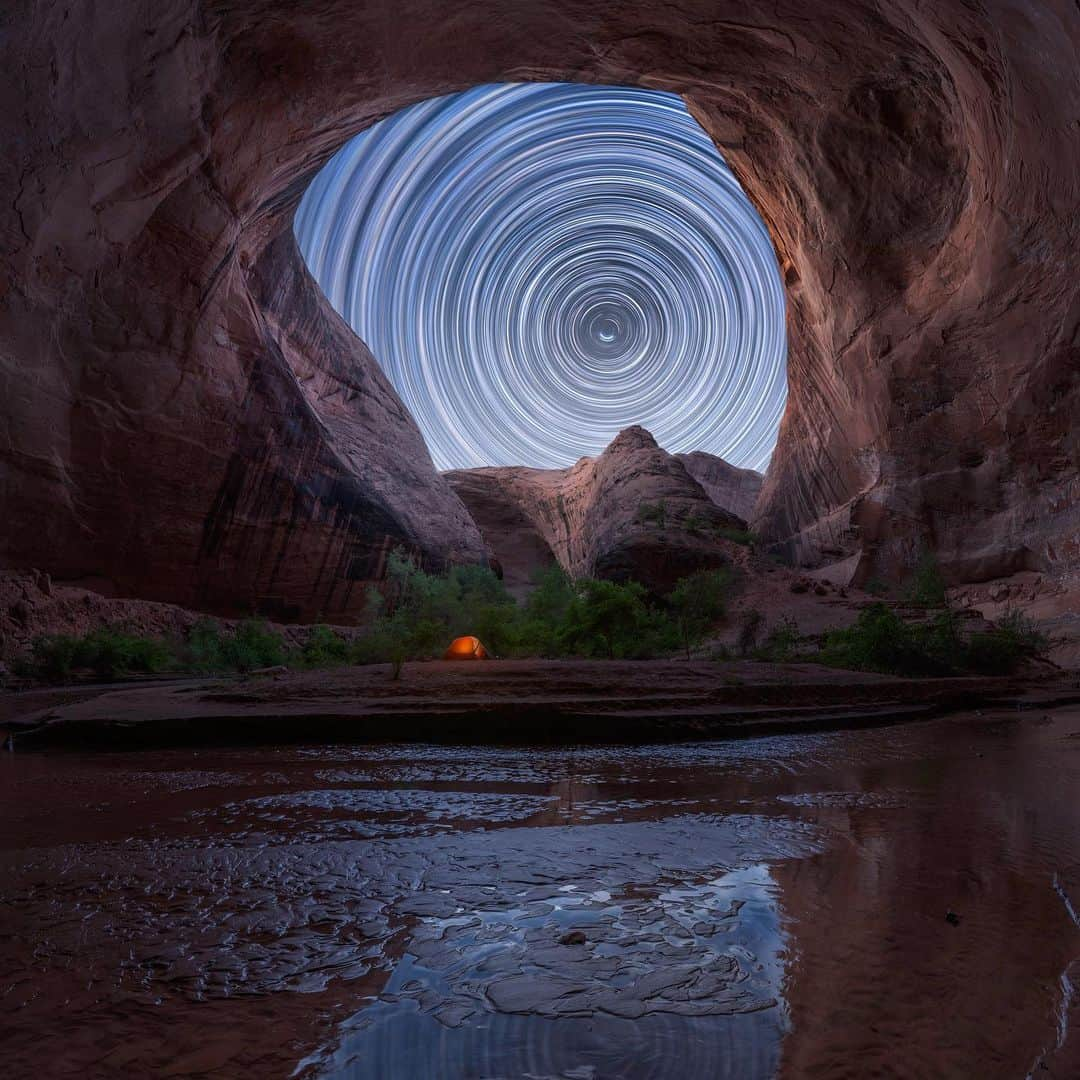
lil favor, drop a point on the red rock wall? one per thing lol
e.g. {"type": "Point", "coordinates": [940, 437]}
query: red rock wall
{"type": "Point", "coordinates": [732, 489]}
{"type": "Point", "coordinates": [183, 415]}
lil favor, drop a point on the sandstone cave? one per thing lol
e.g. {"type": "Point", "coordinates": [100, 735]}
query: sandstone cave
{"type": "Point", "coordinates": [774, 748]}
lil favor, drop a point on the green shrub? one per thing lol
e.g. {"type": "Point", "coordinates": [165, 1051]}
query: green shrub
{"type": "Point", "coordinates": [876, 587]}
{"type": "Point", "coordinates": [737, 536]}
{"type": "Point", "coordinates": [253, 644]}
{"type": "Point", "coordinates": [544, 610]}
{"type": "Point", "coordinates": [1000, 650]}
{"type": "Point", "coordinates": [604, 619]}
{"type": "Point", "coordinates": [324, 648]}
{"type": "Point", "coordinates": [203, 650]}
{"type": "Point", "coordinates": [694, 523]}
{"type": "Point", "coordinates": [388, 641]}
{"type": "Point", "coordinates": [108, 652]}
{"type": "Point", "coordinates": [52, 657]}
{"type": "Point", "coordinates": [879, 640]}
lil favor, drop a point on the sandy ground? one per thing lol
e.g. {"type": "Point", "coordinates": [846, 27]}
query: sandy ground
{"type": "Point", "coordinates": [501, 700]}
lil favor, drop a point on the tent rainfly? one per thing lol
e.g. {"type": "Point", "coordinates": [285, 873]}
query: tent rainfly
{"type": "Point", "coordinates": [466, 648]}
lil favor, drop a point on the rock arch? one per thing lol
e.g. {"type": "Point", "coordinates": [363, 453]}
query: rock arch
{"type": "Point", "coordinates": [186, 418]}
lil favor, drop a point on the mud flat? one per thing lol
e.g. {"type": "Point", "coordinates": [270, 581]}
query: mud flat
{"type": "Point", "coordinates": [504, 701]}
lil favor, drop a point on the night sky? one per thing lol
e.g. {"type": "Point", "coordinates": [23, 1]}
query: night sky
{"type": "Point", "coordinates": [538, 266]}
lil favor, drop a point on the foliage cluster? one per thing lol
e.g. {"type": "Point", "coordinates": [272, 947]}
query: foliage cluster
{"type": "Point", "coordinates": [926, 585]}
{"type": "Point", "coordinates": [696, 524]}
{"type": "Point", "coordinates": [880, 640]}
{"type": "Point", "coordinates": [107, 652]}
{"type": "Point", "coordinates": [737, 536]}
{"type": "Point", "coordinates": [112, 652]}
{"type": "Point", "coordinates": [414, 616]}
{"type": "Point", "coordinates": [419, 613]}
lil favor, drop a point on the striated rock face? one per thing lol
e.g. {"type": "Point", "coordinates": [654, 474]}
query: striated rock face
{"type": "Point", "coordinates": [733, 489]}
{"type": "Point", "coordinates": [634, 512]}
{"type": "Point", "coordinates": [518, 546]}
{"type": "Point", "coordinates": [184, 417]}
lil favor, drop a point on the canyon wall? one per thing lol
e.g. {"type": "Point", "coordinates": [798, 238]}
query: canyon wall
{"type": "Point", "coordinates": [183, 417]}
{"type": "Point", "coordinates": [734, 489]}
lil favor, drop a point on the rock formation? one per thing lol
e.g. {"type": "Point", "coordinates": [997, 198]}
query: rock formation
{"type": "Point", "coordinates": [182, 416]}
{"type": "Point", "coordinates": [517, 546]}
{"type": "Point", "coordinates": [634, 512]}
{"type": "Point", "coordinates": [731, 488]}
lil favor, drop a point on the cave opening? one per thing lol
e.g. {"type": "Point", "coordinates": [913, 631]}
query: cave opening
{"type": "Point", "coordinates": [537, 266]}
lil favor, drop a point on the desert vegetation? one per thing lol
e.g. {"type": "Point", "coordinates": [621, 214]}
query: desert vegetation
{"type": "Point", "coordinates": [924, 639]}
{"type": "Point", "coordinates": [412, 617]}
{"type": "Point", "coordinates": [415, 614]}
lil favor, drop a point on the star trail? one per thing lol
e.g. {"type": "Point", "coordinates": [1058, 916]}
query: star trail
{"type": "Point", "coordinates": [538, 266]}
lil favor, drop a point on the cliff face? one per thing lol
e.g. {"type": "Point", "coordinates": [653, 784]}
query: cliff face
{"type": "Point", "coordinates": [183, 417]}
{"type": "Point", "coordinates": [634, 512]}
{"type": "Point", "coordinates": [731, 488]}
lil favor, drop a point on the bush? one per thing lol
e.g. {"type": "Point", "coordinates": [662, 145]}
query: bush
{"type": "Point", "coordinates": [604, 618]}
{"type": "Point", "coordinates": [876, 587]}
{"type": "Point", "coordinates": [252, 645]}
{"type": "Point", "coordinates": [108, 652]}
{"type": "Point", "coordinates": [737, 536]}
{"type": "Point", "coordinates": [880, 640]}
{"type": "Point", "coordinates": [653, 513]}
{"type": "Point", "coordinates": [324, 648]}
{"type": "Point", "coordinates": [1000, 650]}
{"type": "Point", "coordinates": [111, 652]}
{"type": "Point", "coordinates": [203, 650]}
{"type": "Point", "coordinates": [693, 523]}
{"type": "Point", "coordinates": [52, 657]}
{"type": "Point", "coordinates": [544, 612]}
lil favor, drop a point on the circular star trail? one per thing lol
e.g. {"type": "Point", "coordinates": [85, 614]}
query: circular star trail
{"type": "Point", "coordinates": [538, 266]}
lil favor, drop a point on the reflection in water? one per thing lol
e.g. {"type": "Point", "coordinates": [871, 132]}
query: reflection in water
{"type": "Point", "coordinates": [770, 906]}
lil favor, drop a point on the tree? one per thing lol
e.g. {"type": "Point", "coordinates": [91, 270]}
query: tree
{"type": "Point", "coordinates": [696, 603]}
{"type": "Point", "coordinates": [926, 586]}
{"type": "Point", "coordinates": [750, 626]}
{"type": "Point", "coordinates": [604, 616]}
{"type": "Point", "coordinates": [545, 611]}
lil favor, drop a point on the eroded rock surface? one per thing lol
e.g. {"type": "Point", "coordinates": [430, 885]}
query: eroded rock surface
{"type": "Point", "coordinates": [183, 415]}
{"type": "Point", "coordinates": [633, 513]}
{"type": "Point", "coordinates": [731, 488]}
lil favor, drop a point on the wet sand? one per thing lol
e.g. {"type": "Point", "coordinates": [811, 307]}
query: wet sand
{"type": "Point", "coordinates": [744, 908]}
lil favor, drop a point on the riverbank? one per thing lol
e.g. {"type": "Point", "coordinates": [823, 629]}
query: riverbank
{"type": "Point", "coordinates": [522, 701]}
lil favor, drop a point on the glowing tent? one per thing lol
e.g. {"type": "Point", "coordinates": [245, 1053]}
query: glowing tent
{"type": "Point", "coordinates": [466, 648]}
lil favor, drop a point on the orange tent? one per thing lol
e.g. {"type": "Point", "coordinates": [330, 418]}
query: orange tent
{"type": "Point", "coordinates": [466, 648]}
